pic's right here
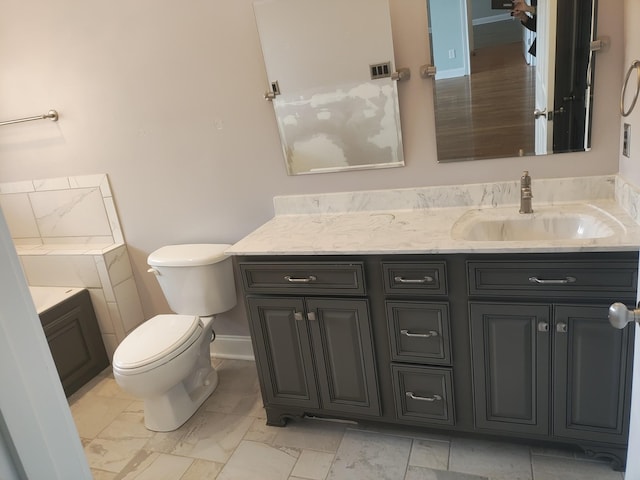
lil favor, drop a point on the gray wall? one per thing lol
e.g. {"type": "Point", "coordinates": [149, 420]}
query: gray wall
{"type": "Point", "coordinates": [166, 98]}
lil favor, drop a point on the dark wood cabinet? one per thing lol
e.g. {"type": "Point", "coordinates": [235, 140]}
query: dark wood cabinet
{"type": "Point", "coordinates": [510, 352]}
{"type": "Point", "coordinates": [75, 342]}
{"type": "Point", "coordinates": [551, 364]}
{"type": "Point", "coordinates": [510, 345]}
{"type": "Point", "coordinates": [590, 378]}
{"type": "Point", "coordinates": [282, 348]}
{"type": "Point", "coordinates": [313, 352]}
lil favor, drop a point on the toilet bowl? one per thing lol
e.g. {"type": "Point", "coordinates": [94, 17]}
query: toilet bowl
{"type": "Point", "coordinates": [166, 360]}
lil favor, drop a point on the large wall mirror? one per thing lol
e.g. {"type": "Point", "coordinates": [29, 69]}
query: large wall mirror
{"type": "Point", "coordinates": [504, 90]}
{"type": "Point", "coordinates": [329, 65]}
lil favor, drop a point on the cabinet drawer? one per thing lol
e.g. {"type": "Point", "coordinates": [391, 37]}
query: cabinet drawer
{"type": "Point", "coordinates": [562, 279]}
{"type": "Point", "coordinates": [423, 278]}
{"type": "Point", "coordinates": [419, 332]}
{"type": "Point", "coordinates": [334, 278]}
{"type": "Point", "coordinates": [423, 395]}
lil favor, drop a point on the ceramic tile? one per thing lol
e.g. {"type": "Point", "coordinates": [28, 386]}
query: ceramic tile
{"type": "Point", "coordinates": [421, 473]}
{"type": "Point", "coordinates": [212, 436]}
{"type": "Point", "coordinates": [107, 387]}
{"type": "Point", "coordinates": [114, 221]}
{"type": "Point", "coordinates": [102, 475]}
{"type": "Point", "coordinates": [60, 183]}
{"type": "Point", "coordinates": [313, 465]}
{"type": "Point", "coordinates": [110, 344]}
{"type": "Point", "coordinates": [430, 454]}
{"type": "Point", "coordinates": [202, 470]}
{"type": "Point", "coordinates": [127, 425]}
{"type": "Point", "coordinates": [116, 320]}
{"type": "Point", "coordinates": [553, 468]}
{"type": "Point", "coordinates": [17, 187]}
{"type": "Point", "coordinates": [70, 213]}
{"type": "Point", "coordinates": [257, 460]}
{"type": "Point", "coordinates": [118, 265]}
{"type": "Point", "coordinates": [148, 465]}
{"type": "Point", "coordinates": [129, 304]}
{"type": "Point", "coordinates": [97, 180]}
{"type": "Point", "coordinates": [101, 310]}
{"type": "Point", "coordinates": [65, 271]}
{"type": "Point", "coordinates": [369, 456]}
{"type": "Point", "coordinates": [18, 214]}
{"type": "Point", "coordinates": [112, 455]}
{"type": "Point", "coordinates": [92, 415]}
{"type": "Point", "coordinates": [307, 434]}
{"type": "Point", "coordinates": [497, 460]}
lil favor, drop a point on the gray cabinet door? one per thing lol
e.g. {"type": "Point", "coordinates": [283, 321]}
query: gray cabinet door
{"type": "Point", "coordinates": [510, 353]}
{"type": "Point", "coordinates": [282, 346]}
{"type": "Point", "coordinates": [343, 350]}
{"type": "Point", "coordinates": [590, 375]}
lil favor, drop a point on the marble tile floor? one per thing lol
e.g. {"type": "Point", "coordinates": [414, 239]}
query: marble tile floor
{"type": "Point", "coordinates": [227, 439]}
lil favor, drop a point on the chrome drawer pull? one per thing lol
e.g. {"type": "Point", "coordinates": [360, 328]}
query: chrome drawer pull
{"type": "Point", "coordinates": [432, 333]}
{"type": "Point", "coordinates": [562, 281]}
{"type": "Point", "coordinates": [426, 279]}
{"type": "Point", "coordinates": [309, 279]}
{"type": "Point", "coordinates": [435, 398]}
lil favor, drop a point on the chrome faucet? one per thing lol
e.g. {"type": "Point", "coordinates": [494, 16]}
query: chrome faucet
{"type": "Point", "coordinates": [525, 193]}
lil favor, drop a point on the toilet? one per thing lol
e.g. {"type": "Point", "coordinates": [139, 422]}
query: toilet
{"type": "Point", "coordinates": [166, 360]}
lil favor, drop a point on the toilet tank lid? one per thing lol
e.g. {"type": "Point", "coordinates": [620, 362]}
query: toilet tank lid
{"type": "Point", "coordinates": [189, 255]}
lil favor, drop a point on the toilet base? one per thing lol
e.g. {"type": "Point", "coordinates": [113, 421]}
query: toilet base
{"type": "Point", "coordinates": [172, 409]}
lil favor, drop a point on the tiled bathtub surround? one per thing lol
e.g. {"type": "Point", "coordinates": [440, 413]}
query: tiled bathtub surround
{"type": "Point", "coordinates": [67, 234]}
{"type": "Point", "coordinates": [67, 210]}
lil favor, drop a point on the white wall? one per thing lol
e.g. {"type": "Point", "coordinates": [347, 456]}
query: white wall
{"type": "Point", "coordinates": [166, 98]}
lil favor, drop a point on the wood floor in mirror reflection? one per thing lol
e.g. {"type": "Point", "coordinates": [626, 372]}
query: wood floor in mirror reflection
{"type": "Point", "coordinates": [488, 114]}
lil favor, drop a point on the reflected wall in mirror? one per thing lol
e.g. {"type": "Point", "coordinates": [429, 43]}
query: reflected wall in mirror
{"type": "Point", "coordinates": [504, 90]}
{"type": "Point", "coordinates": [320, 56]}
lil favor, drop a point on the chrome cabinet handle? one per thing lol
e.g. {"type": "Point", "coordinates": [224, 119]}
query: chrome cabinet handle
{"type": "Point", "coordinates": [298, 316]}
{"type": "Point", "coordinates": [562, 327]}
{"type": "Point", "coordinates": [310, 278]}
{"type": "Point", "coordinates": [561, 281]}
{"type": "Point", "coordinates": [434, 398]}
{"type": "Point", "coordinates": [431, 333]}
{"type": "Point", "coordinates": [425, 279]}
{"type": "Point", "coordinates": [312, 316]}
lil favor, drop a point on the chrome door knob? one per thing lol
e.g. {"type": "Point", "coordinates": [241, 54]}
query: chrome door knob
{"type": "Point", "coordinates": [620, 315]}
{"type": "Point", "coordinates": [537, 113]}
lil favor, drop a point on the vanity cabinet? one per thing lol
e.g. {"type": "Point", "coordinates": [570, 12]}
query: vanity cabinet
{"type": "Point", "coordinates": [313, 351]}
{"type": "Point", "coordinates": [508, 345]}
{"type": "Point", "coordinates": [552, 366]}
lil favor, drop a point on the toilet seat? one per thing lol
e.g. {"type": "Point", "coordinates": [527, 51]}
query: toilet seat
{"type": "Point", "coordinates": [156, 342]}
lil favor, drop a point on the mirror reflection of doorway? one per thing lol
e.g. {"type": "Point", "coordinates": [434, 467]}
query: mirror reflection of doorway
{"type": "Point", "coordinates": [489, 113]}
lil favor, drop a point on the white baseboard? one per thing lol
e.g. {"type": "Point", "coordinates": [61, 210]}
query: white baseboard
{"type": "Point", "coordinates": [235, 347]}
{"type": "Point", "coordinates": [451, 73]}
{"type": "Point", "coordinates": [492, 19]}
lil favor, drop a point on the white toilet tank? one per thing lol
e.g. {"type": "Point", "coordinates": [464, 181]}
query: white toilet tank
{"type": "Point", "coordinates": [196, 279]}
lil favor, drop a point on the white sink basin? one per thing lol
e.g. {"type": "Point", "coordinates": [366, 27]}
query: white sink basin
{"type": "Point", "coordinates": [552, 223]}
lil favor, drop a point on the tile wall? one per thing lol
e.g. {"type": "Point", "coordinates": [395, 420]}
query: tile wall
{"type": "Point", "coordinates": [67, 234]}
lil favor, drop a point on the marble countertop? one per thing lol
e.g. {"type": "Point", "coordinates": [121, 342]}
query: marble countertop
{"type": "Point", "coordinates": [428, 230]}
